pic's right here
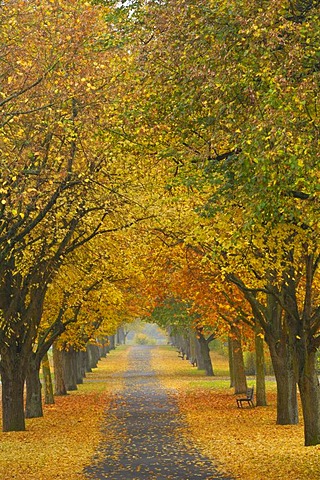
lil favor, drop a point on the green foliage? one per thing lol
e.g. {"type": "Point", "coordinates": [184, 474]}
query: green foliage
{"type": "Point", "coordinates": [220, 347]}
{"type": "Point", "coordinates": [173, 313]}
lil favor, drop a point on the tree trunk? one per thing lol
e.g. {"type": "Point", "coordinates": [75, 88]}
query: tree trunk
{"type": "Point", "coordinates": [21, 310]}
{"type": "Point", "coordinates": [205, 354]}
{"type": "Point", "coordinates": [231, 368]}
{"type": "Point", "coordinates": [69, 369]}
{"type": "Point", "coordinates": [81, 366]}
{"type": "Point", "coordinates": [310, 399]}
{"type": "Point", "coordinates": [33, 384]}
{"type": "Point", "coordinates": [59, 385]}
{"type": "Point", "coordinates": [185, 345]}
{"type": "Point", "coordinates": [13, 378]}
{"type": "Point", "coordinates": [104, 347]}
{"type": "Point", "coordinates": [193, 355]}
{"type": "Point", "coordinates": [88, 360]}
{"type": "Point", "coordinates": [261, 398]}
{"type": "Point", "coordinates": [47, 381]}
{"type": "Point", "coordinates": [199, 356]}
{"type": "Point", "coordinates": [93, 355]}
{"type": "Point", "coordinates": [304, 338]}
{"type": "Point", "coordinates": [112, 342]}
{"type": "Point", "coordinates": [283, 366]}
{"type": "Point", "coordinates": [120, 336]}
{"type": "Point", "coordinates": [240, 380]}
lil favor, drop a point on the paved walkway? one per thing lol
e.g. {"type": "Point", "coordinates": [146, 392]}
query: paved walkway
{"type": "Point", "coordinates": [147, 423]}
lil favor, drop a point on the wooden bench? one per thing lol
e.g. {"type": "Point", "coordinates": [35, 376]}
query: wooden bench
{"type": "Point", "coordinates": [248, 398]}
{"type": "Point", "coordinates": [181, 354]}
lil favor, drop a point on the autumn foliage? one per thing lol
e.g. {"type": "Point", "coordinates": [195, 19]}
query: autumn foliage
{"type": "Point", "coordinates": [154, 154]}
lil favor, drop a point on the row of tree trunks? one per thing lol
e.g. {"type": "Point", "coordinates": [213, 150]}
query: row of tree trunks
{"type": "Point", "coordinates": [291, 333]}
{"type": "Point", "coordinates": [70, 368]}
{"type": "Point", "coordinates": [193, 346]}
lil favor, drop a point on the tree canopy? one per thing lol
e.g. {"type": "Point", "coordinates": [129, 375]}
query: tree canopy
{"type": "Point", "coordinates": [160, 151]}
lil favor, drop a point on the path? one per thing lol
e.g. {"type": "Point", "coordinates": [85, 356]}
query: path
{"type": "Point", "coordinates": [147, 423]}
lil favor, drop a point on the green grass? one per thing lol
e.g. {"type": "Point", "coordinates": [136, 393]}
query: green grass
{"type": "Point", "coordinates": [210, 384]}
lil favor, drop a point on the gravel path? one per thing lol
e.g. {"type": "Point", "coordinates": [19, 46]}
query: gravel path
{"type": "Point", "coordinates": [147, 423]}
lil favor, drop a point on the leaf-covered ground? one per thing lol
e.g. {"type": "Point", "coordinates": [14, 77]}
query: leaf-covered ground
{"type": "Point", "coordinates": [148, 423]}
{"type": "Point", "coordinates": [60, 444]}
{"type": "Point", "coordinates": [244, 442]}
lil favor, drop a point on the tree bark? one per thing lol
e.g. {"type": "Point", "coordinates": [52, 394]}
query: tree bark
{"type": "Point", "coordinates": [261, 398]}
{"type": "Point", "coordinates": [69, 369]}
{"type": "Point", "coordinates": [93, 356]}
{"type": "Point", "coordinates": [310, 399]}
{"type": "Point", "coordinates": [59, 385]}
{"type": "Point", "coordinates": [205, 353]}
{"type": "Point", "coordinates": [199, 356]}
{"type": "Point", "coordinates": [81, 366]}
{"type": "Point", "coordinates": [13, 380]}
{"type": "Point", "coordinates": [193, 354]}
{"type": "Point", "coordinates": [121, 340]}
{"type": "Point", "coordinates": [230, 355]}
{"type": "Point", "coordinates": [112, 342]}
{"type": "Point", "coordinates": [88, 360]}
{"type": "Point", "coordinates": [240, 380]}
{"type": "Point", "coordinates": [283, 365]}
{"type": "Point", "coordinates": [303, 327]}
{"type": "Point", "coordinates": [33, 384]}
{"type": "Point", "coordinates": [104, 346]}
{"type": "Point", "coordinates": [185, 345]}
{"type": "Point", "coordinates": [21, 310]}
{"type": "Point", "coordinates": [47, 381]}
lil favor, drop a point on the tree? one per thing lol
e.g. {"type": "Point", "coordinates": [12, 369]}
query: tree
{"type": "Point", "coordinates": [55, 195]}
{"type": "Point", "coordinates": [242, 131]}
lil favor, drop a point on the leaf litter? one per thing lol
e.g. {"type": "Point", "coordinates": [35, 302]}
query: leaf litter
{"type": "Point", "coordinates": [246, 442]}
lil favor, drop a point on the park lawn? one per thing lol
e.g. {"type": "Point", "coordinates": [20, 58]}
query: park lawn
{"type": "Point", "coordinates": [245, 443]}
{"type": "Point", "coordinates": [60, 444]}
